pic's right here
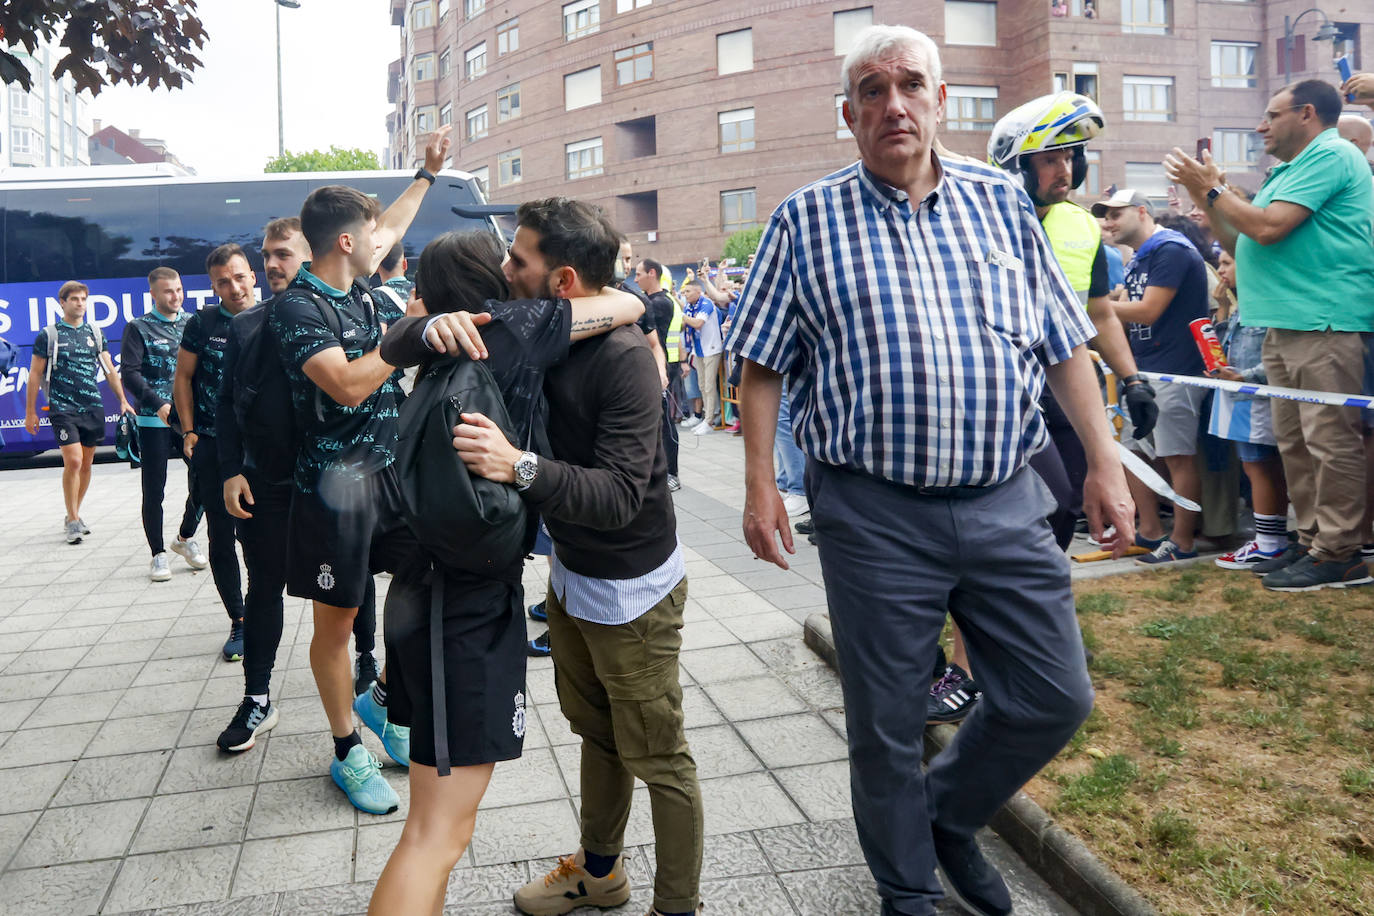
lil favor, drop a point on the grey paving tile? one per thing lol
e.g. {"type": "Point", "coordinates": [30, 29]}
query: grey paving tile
{"type": "Point", "coordinates": [811, 845]}
{"type": "Point", "coordinates": [206, 767]}
{"type": "Point", "coordinates": [204, 725]}
{"type": "Point", "coordinates": [718, 751]}
{"type": "Point", "coordinates": [833, 891]}
{"type": "Point", "coordinates": [36, 660]}
{"type": "Point", "coordinates": [29, 623]}
{"type": "Point", "coordinates": [788, 654]}
{"type": "Point", "coordinates": [61, 890]}
{"type": "Point", "coordinates": [766, 625]}
{"type": "Point", "coordinates": [183, 695]}
{"type": "Point", "coordinates": [183, 647]}
{"type": "Point", "coordinates": [188, 820]}
{"type": "Point", "coordinates": [819, 687]}
{"type": "Point", "coordinates": [539, 830]}
{"type": "Point", "coordinates": [821, 789]}
{"type": "Point", "coordinates": [713, 586]}
{"type": "Point", "coordinates": [486, 884]}
{"type": "Point", "coordinates": [154, 732]}
{"type": "Point", "coordinates": [47, 745]}
{"type": "Point", "coordinates": [835, 719]}
{"type": "Point", "coordinates": [296, 756]}
{"type": "Point", "coordinates": [342, 899]}
{"type": "Point", "coordinates": [169, 878]}
{"type": "Point", "coordinates": [754, 698]}
{"type": "Point", "coordinates": [793, 740]}
{"type": "Point", "coordinates": [749, 801]}
{"type": "Point", "coordinates": [293, 862]}
{"type": "Point", "coordinates": [13, 713]}
{"type": "Point", "coordinates": [531, 777]}
{"type": "Point", "coordinates": [73, 708]}
{"type": "Point", "coordinates": [30, 788]}
{"type": "Point", "coordinates": [69, 637]}
{"type": "Point", "coordinates": [796, 592]}
{"type": "Point", "coordinates": [261, 905]}
{"type": "Point", "coordinates": [299, 806]}
{"type": "Point", "coordinates": [13, 828]}
{"type": "Point", "coordinates": [756, 894]}
{"type": "Point", "coordinates": [724, 663]}
{"type": "Point", "coordinates": [736, 604]}
{"type": "Point", "coordinates": [697, 708]}
{"type": "Point", "coordinates": [99, 779]}
{"type": "Point", "coordinates": [706, 633]}
{"type": "Point", "coordinates": [77, 834]}
{"type": "Point", "coordinates": [725, 855]}
{"type": "Point", "coordinates": [96, 679]}
{"type": "Point", "coordinates": [133, 630]}
{"type": "Point", "coordinates": [174, 671]}
{"type": "Point", "coordinates": [375, 844]}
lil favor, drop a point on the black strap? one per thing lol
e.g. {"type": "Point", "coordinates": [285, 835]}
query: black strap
{"type": "Point", "coordinates": [436, 668]}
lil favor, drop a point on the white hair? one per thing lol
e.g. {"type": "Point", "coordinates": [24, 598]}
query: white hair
{"type": "Point", "coordinates": [879, 41]}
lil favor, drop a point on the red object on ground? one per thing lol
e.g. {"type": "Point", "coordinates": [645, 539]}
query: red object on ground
{"type": "Point", "coordinates": [1207, 342]}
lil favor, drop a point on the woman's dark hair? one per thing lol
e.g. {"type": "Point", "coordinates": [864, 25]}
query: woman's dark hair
{"type": "Point", "coordinates": [460, 271]}
{"type": "Point", "coordinates": [1193, 231]}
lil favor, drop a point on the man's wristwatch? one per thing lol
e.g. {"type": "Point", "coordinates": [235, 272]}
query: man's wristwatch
{"type": "Point", "coordinates": [426, 174]}
{"type": "Point", "coordinates": [526, 467]}
{"type": "Point", "coordinates": [1213, 194]}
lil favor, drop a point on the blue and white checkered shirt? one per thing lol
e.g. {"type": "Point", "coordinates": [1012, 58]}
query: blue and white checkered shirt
{"type": "Point", "coordinates": [912, 338]}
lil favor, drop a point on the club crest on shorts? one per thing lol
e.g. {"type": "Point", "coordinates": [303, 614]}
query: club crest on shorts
{"type": "Point", "coordinates": [62, 434]}
{"type": "Point", "coordinates": [325, 579]}
{"type": "Point", "coordinates": [517, 723]}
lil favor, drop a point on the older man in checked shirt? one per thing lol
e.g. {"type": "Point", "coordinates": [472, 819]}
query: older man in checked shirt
{"type": "Point", "coordinates": [917, 311]}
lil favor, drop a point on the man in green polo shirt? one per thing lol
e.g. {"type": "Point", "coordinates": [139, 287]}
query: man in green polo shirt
{"type": "Point", "coordinates": [1305, 269]}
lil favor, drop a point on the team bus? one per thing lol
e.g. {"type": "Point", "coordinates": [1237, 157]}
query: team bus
{"type": "Point", "coordinates": [109, 226]}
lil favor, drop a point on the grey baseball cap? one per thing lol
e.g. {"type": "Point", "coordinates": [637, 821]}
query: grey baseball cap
{"type": "Point", "coordinates": [1126, 197]}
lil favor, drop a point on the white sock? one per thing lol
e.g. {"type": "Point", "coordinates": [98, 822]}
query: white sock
{"type": "Point", "coordinates": [1271, 532]}
{"type": "Point", "coordinates": [259, 698]}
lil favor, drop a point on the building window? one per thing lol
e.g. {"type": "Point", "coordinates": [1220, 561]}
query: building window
{"type": "Point", "coordinates": [629, 6]}
{"type": "Point", "coordinates": [736, 130]}
{"type": "Point", "coordinates": [581, 17]}
{"type": "Point", "coordinates": [483, 176]}
{"type": "Point", "coordinates": [1059, 82]}
{"type": "Point", "coordinates": [443, 8]}
{"type": "Point", "coordinates": [1147, 98]}
{"type": "Point", "coordinates": [1145, 17]}
{"type": "Point", "coordinates": [971, 107]}
{"type": "Point", "coordinates": [19, 102]}
{"type": "Point", "coordinates": [1092, 181]}
{"type": "Point", "coordinates": [446, 114]}
{"type": "Point", "coordinates": [735, 52]}
{"type": "Point", "coordinates": [848, 24]}
{"type": "Point", "coordinates": [477, 122]}
{"type": "Point", "coordinates": [473, 7]}
{"type": "Point", "coordinates": [1085, 80]}
{"type": "Point", "coordinates": [445, 63]}
{"type": "Point", "coordinates": [424, 119]}
{"type": "Point", "coordinates": [1148, 178]}
{"type": "Point", "coordinates": [634, 65]}
{"type": "Point", "coordinates": [842, 131]}
{"type": "Point", "coordinates": [1233, 64]}
{"type": "Point", "coordinates": [1347, 43]}
{"type": "Point", "coordinates": [508, 37]}
{"type": "Point", "coordinates": [422, 14]}
{"type": "Point", "coordinates": [582, 88]}
{"type": "Point", "coordinates": [737, 210]}
{"type": "Point", "coordinates": [424, 67]}
{"type": "Point", "coordinates": [475, 61]}
{"type": "Point", "coordinates": [508, 167]}
{"type": "Point", "coordinates": [1236, 149]}
{"type": "Point", "coordinates": [970, 23]}
{"type": "Point", "coordinates": [583, 158]}
{"type": "Point", "coordinates": [21, 140]}
{"type": "Point", "coordinates": [507, 103]}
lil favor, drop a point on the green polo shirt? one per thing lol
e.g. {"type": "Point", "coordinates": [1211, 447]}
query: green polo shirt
{"type": "Point", "coordinates": [1321, 277]}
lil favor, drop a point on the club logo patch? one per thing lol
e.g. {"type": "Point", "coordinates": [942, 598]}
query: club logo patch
{"type": "Point", "coordinates": [517, 724]}
{"type": "Point", "coordinates": [325, 579]}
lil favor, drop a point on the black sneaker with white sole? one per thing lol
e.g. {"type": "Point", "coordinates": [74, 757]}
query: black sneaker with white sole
{"type": "Point", "coordinates": [250, 721]}
{"type": "Point", "coordinates": [952, 697]}
{"type": "Point", "coordinates": [364, 673]}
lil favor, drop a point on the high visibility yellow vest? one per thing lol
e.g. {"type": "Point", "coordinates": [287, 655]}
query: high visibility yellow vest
{"type": "Point", "coordinates": [672, 347]}
{"type": "Point", "coordinates": [1075, 236]}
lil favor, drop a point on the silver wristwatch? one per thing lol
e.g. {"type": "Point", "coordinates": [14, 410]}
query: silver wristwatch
{"type": "Point", "coordinates": [526, 467]}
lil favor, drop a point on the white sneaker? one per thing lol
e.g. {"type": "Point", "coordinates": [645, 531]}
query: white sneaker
{"type": "Point", "coordinates": [795, 505]}
{"type": "Point", "coordinates": [190, 550]}
{"type": "Point", "coordinates": [689, 422]}
{"type": "Point", "coordinates": [703, 428]}
{"type": "Point", "coordinates": [159, 570]}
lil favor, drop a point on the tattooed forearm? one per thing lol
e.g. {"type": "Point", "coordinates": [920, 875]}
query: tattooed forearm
{"type": "Point", "coordinates": [599, 323]}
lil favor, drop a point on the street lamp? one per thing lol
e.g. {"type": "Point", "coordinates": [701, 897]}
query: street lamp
{"type": "Point", "coordinates": [281, 137]}
{"type": "Point", "coordinates": [1326, 32]}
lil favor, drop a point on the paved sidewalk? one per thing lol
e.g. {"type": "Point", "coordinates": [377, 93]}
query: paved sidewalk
{"type": "Point", "coordinates": [116, 799]}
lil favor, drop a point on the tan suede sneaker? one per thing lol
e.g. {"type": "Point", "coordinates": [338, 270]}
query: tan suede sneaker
{"type": "Point", "coordinates": [570, 886]}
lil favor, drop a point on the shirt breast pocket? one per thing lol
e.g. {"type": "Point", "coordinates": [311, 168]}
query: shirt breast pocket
{"type": "Point", "coordinates": [1004, 298]}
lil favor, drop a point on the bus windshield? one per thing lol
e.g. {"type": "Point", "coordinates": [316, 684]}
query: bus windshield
{"type": "Point", "coordinates": [109, 233]}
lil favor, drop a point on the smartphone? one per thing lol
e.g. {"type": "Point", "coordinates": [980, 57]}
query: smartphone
{"type": "Point", "coordinates": [1343, 67]}
{"type": "Point", "coordinates": [1204, 144]}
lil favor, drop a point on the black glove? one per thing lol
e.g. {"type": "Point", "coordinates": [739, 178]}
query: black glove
{"type": "Point", "coordinates": [1140, 404]}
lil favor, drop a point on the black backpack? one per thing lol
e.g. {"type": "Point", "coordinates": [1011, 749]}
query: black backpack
{"type": "Point", "coordinates": [463, 521]}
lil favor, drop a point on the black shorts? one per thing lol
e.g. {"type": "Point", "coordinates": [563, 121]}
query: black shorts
{"type": "Point", "coordinates": [87, 427]}
{"type": "Point", "coordinates": [484, 667]}
{"type": "Point", "coordinates": [329, 553]}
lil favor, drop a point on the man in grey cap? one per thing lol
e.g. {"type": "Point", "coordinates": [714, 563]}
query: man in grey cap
{"type": "Point", "coordinates": [1166, 288]}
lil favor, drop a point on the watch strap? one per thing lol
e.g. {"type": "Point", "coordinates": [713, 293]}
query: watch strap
{"type": "Point", "coordinates": [426, 174]}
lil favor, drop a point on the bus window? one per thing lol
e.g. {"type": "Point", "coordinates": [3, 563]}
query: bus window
{"type": "Point", "coordinates": [209, 215]}
{"type": "Point", "coordinates": [80, 233]}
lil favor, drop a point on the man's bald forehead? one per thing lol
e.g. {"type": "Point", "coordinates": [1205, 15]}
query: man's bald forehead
{"type": "Point", "coordinates": [1357, 130]}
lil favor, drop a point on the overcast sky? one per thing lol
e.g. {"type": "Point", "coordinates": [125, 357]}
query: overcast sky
{"type": "Point", "coordinates": [224, 122]}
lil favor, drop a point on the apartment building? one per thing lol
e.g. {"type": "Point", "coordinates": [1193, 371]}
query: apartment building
{"type": "Point", "coordinates": [691, 119]}
{"type": "Point", "coordinates": [47, 126]}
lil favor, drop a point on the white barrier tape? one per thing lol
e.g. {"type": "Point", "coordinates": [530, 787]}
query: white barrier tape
{"type": "Point", "coordinates": [1334, 399]}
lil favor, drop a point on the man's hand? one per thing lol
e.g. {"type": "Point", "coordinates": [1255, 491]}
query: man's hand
{"type": "Point", "coordinates": [764, 515]}
{"type": "Point", "coordinates": [662, 378]}
{"type": "Point", "coordinates": [455, 331]}
{"type": "Point", "coordinates": [126, 407]}
{"type": "Point", "coordinates": [188, 443]}
{"type": "Point", "coordinates": [1107, 504]}
{"type": "Point", "coordinates": [237, 494]}
{"type": "Point", "coordinates": [1197, 177]}
{"type": "Point", "coordinates": [485, 449]}
{"type": "Point", "coordinates": [1361, 86]}
{"type": "Point", "coordinates": [1228, 373]}
{"type": "Point", "coordinates": [415, 306]}
{"type": "Point", "coordinates": [1140, 404]}
{"type": "Point", "coordinates": [164, 413]}
{"type": "Point", "coordinates": [436, 149]}
{"type": "Point", "coordinates": [31, 423]}
{"type": "Point", "coordinates": [690, 275]}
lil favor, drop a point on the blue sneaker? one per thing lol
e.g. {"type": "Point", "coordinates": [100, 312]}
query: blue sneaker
{"type": "Point", "coordinates": [395, 738]}
{"type": "Point", "coordinates": [1167, 552]}
{"type": "Point", "coordinates": [539, 612]}
{"type": "Point", "coordinates": [360, 776]}
{"type": "Point", "coordinates": [539, 646]}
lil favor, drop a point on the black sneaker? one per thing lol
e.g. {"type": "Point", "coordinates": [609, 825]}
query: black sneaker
{"type": "Point", "coordinates": [1308, 574]}
{"type": "Point", "coordinates": [952, 697]}
{"type": "Point", "coordinates": [973, 882]}
{"type": "Point", "coordinates": [233, 646]}
{"type": "Point", "coordinates": [539, 612]}
{"type": "Point", "coordinates": [364, 673]}
{"type": "Point", "coordinates": [805, 526]}
{"type": "Point", "coordinates": [1292, 554]}
{"type": "Point", "coordinates": [811, 538]}
{"type": "Point", "coordinates": [673, 483]}
{"type": "Point", "coordinates": [539, 646]}
{"type": "Point", "coordinates": [1366, 551]}
{"type": "Point", "coordinates": [250, 721]}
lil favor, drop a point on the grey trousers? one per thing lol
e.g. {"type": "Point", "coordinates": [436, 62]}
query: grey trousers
{"type": "Point", "coordinates": [894, 563]}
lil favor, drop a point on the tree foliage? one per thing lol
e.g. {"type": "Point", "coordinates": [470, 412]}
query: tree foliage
{"type": "Point", "coordinates": [742, 244]}
{"type": "Point", "coordinates": [334, 159]}
{"type": "Point", "coordinates": [139, 42]}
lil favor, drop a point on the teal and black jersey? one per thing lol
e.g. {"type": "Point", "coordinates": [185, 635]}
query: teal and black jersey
{"type": "Point", "coordinates": [207, 334]}
{"type": "Point", "coordinates": [148, 362]}
{"type": "Point", "coordinates": [72, 386]}
{"type": "Point", "coordinates": [352, 441]}
{"type": "Point", "coordinates": [388, 311]}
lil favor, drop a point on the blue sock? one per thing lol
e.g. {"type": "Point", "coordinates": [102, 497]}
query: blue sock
{"type": "Point", "coordinates": [599, 866]}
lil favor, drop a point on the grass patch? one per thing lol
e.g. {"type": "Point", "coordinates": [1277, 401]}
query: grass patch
{"type": "Point", "coordinates": [1101, 603]}
{"type": "Point", "coordinates": [1101, 790]}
